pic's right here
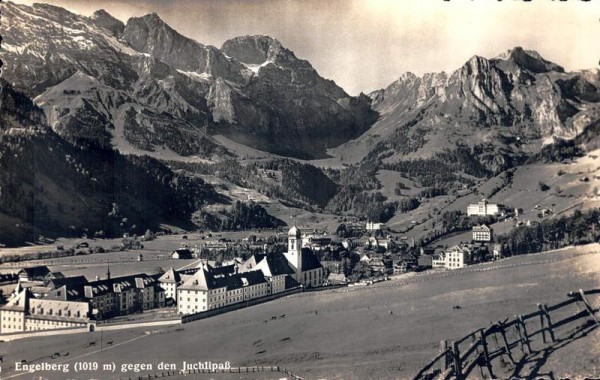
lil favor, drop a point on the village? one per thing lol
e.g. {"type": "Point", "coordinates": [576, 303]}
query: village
{"type": "Point", "coordinates": [218, 278]}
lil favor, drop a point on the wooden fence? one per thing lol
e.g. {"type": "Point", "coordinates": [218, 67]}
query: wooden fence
{"type": "Point", "coordinates": [510, 340]}
{"type": "Point", "coordinates": [254, 369]}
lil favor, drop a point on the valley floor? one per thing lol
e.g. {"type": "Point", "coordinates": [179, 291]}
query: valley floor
{"type": "Point", "coordinates": [386, 331]}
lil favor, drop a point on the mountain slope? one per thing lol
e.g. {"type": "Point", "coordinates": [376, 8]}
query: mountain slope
{"type": "Point", "coordinates": [501, 109]}
{"type": "Point", "coordinates": [53, 188]}
{"type": "Point", "coordinates": [171, 88]}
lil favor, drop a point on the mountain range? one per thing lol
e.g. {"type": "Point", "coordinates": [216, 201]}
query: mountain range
{"type": "Point", "coordinates": [501, 109]}
{"type": "Point", "coordinates": [141, 96]}
{"type": "Point", "coordinates": [143, 86]}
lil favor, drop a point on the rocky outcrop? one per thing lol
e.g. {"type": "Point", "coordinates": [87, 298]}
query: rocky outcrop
{"type": "Point", "coordinates": [151, 35]}
{"type": "Point", "coordinates": [106, 21]}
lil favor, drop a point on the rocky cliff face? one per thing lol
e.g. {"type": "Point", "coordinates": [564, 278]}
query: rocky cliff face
{"type": "Point", "coordinates": [502, 109]}
{"type": "Point", "coordinates": [104, 82]}
{"type": "Point", "coordinates": [286, 102]}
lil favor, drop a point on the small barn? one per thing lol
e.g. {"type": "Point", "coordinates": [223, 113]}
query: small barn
{"type": "Point", "coordinates": [182, 254]}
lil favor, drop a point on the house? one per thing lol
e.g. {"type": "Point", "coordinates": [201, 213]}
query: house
{"type": "Point", "coordinates": [410, 259]}
{"type": "Point", "coordinates": [425, 262]}
{"type": "Point", "coordinates": [370, 226]}
{"type": "Point", "coordinates": [438, 260]}
{"type": "Point", "coordinates": [169, 281]}
{"type": "Point", "coordinates": [12, 315]}
{"type": "Point", "coordinates": [37, 273]}
{"type": "Point", "coordinates": [497, 252]}
{"type": "Point", "coordinates": [348, 244]}
{"type": "Point", "coordinates": [252, 262]}
{"type": "Point", "coordinates": [400, 267]}
{"type": "Point", "coordinates": [182, 254]}
{"type": "Point", "coordinates": [49, 314]}
{"type": "Point", "coordinates": [483, 208]}
{"type": "Point", "coordinates": [216, 246]}
{"type": "Point", "coordinates": [316, 242]}
{"type": "Point", "coordinates": [381, 266]}
{"type": "Point", "coordinates": [67, 289]}
{"type": "Point", "coordinates": [457, 257]}
{"type": "Point", "coordinates": [427, 250]}
{"type": "Point", "coordinates": [387, 243]}
{"type": "Point", "coordinates": [482, 233]}
{"type": "Point", "coordinates": [337, 278]}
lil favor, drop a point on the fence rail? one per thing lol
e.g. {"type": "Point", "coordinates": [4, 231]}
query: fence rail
{"type": "Point", "coordinates": [457, 360]}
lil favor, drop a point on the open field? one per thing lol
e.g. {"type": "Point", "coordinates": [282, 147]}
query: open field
{"type": "Point", "coordinates": [343, 334]}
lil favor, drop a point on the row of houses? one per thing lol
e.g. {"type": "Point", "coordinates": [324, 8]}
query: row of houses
{"type": "Point", "coordinates": [459, 256]}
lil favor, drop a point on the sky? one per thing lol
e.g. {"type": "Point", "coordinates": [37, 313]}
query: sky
{"type": "Point", "coordinates": [364, 45]}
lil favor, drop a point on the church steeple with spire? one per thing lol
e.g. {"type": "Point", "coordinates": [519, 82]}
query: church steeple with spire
{"type": "Point", "coordinates": [294, 253]}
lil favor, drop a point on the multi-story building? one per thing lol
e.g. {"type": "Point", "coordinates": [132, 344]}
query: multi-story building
{"type": "Point", "coordinates": [169, 281]}
{"type": "Point", "coordinates": [370, 226]}
{"type": "Point", "coordinates": [124, 295]}
{"type": "Point", "coordinates": [12, 315]}
{"type": "Point", "coordinates": [483, 208]}
{"type": "Point", "coordinates": [63, 302]}
{"type": "Point", "coordinates": [203, 291]}
{"type": "Point", "coordinates": [23, 312]}
{"type": "Point", "coordinates": [316, 242]}
{"type": "Point", "coordinates": [457, 257]}
{"type": "Point", "coordinates": [482, 233]}
{"type": "Point", "coordinates": [49, 314]}
{"type": "Point", "coordinates": [102, 298]}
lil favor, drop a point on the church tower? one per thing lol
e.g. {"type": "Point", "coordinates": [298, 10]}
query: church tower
{"type": "Point", "coordinates": [294, 253]}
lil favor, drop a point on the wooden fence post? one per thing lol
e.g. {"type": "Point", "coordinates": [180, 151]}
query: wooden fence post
{"type": "Point", "coordinates": [542, 322]}
{"type": "Point", "coordinates": [588, 306]}
{"type": "Point", "coordinates": [522, 341]}
{"type": "Point", "coordinates": [549, 320]}
{"type": "Point", "coordinates": [457, 364]}
{"type": "Point", "coordinates": [486, 354]}
{"type": "Point", "coordinates": [444, 361]}
{"type": "Point", "coordinates": [525, 335]}
{"type": "Point", "coordinates": [505, 342]}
